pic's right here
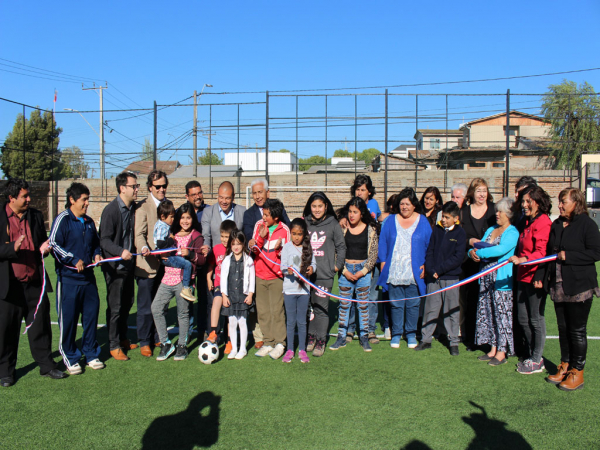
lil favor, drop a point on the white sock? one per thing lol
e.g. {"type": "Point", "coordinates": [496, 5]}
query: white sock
{"type": "Point", "coordinates": [243, 333]}
{"type": "Point", "coordinates": [233, 321]}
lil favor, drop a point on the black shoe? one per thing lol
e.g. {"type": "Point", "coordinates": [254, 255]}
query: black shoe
{"type": "Point", "coordinates": [454, 350]}
{"type": "Point", "coordinates": [181, 353]}
{"type": "Point", "coordinates": [55, 374]}
{"type": "Point", "coordinates": [423, 346]}
{"type": "Point", "coordinates": [339, 343]}
{"type": "Point", "coordinates": [165, 351]}
{"type": "Point", "coordinates": [497, 362]}
{"type": "Point", "coordinates": [364, 343]}
{"type": "Point", "coordinates": [7, 381]}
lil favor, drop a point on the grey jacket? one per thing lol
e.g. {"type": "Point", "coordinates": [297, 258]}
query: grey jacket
{"type": "Point", "coordinates": [329, 246]}
{"type": "Point", "coordinates": [211, 223]}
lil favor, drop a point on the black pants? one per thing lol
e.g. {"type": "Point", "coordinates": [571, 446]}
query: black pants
{"type": "Point", "coordinates": [572, 331]}
{"type": "Point", "coordinates": [147, 287]}
{"type": "Point", "coordinates": [205, 301]}
{"type": "Point", "coordinates": [19, 304]}
{"type": "Point", "coordinates": [119, 300]}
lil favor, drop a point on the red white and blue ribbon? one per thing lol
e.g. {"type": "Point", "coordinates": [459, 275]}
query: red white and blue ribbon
{"type": "Point", "coordinates": [447, 288]}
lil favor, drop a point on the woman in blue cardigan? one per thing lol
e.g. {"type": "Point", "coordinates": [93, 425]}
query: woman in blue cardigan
{"type": "Point", "coordinates": [495, 305]}
{"type": "Point", "coordinates": [402, 247]}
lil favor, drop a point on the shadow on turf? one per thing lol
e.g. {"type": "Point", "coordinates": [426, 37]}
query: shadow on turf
{"type": "Point", "coordinates": [489, 434]}
{"type": "Point", "coordinates": [187, 429]}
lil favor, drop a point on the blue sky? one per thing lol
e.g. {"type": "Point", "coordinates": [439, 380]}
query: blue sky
{"type": "Point", "coordinates": [159, 51]}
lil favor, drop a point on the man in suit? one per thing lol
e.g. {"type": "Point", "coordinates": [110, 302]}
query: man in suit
{"type": "Point", "coordinates": [117, 239]}
{"type": "Point", "coordinates": [148, 269]}
{"type": "Point", "coordinates": [23, 239]}
{"type": "Point", "coordinates": [225, 209]}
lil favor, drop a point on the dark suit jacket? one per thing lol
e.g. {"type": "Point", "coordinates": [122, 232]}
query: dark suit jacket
{"type": "Point", "coordinates": [7, 249]}
{"type": "Point", "coordinates": [111, 236]}
{"type": "Point", "coordinates": [253, 215]}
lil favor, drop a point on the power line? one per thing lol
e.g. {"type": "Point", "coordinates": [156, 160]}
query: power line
{"type": "Point", "coordinates": [51, 71]}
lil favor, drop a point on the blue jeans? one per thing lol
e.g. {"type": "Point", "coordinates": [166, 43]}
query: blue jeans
{"type": "Point", "coordinates": [296, 307]}
{"type": "Point", "coordinates": [179, 262]}
{"type": "Point", "coordinates": [373, 307]}
{"type": "Point", "coordinates": [347, 288]}
{"type": "Point", "coordinates": [405, 313]}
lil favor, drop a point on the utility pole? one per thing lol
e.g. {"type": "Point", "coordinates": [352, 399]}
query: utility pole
{"type": "Point", "coordinates": [100, 89]}
{"type": "Point", "coordinates": [195, 134]}
{"type": "Point", "coordinates": [209, 154]}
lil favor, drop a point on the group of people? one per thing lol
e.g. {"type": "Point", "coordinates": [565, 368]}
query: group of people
{"type": "Point", "coordinates": [260, 273]}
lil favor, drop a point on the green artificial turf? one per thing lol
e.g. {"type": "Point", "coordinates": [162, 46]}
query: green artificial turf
{"type": "Point", "coordinates": [386, 399]}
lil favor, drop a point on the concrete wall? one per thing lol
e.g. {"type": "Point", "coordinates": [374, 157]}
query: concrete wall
{"type": "Point", "coordinates": [338, 187]}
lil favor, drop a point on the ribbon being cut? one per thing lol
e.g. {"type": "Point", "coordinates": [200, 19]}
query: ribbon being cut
{"type": "Point", "coordinates": [447, 288]}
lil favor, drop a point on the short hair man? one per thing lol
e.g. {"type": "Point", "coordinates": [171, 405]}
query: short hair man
{"type": "Point", "coordinates": [148, 269]}
{"type": "Point", "coordinates": [195, 196]}
{"type": "Point", "coordinates": [76, 245]}
{"type": "Point", "coordinates": [225, 209]}
{"type": "Point", "coordinates": [117, 239]}
{"type": "Point", "coordinates": [22, 242]}
{"type": "Point", "coordinates": [260, 194]}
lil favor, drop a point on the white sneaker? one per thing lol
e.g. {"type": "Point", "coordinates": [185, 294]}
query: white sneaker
{"type": "Point", "coordinates": [75, 369]}
{"type": "Point", "coordinates": [387, 334]}
{"type": "Point", "coordinates": [96, 364]}
{"type": "Point", "coordinates": [232, 354]}
{"type": "Point", "coordinates": [241, 354]}
{"type": "Point", "coordinates": [277, 352]}
{"type": "Point", "coordinates": [263, 351]}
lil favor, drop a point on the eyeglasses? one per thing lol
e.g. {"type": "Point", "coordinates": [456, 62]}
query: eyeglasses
{"type": "Point", "coordinates": [133, 186]}
{"type": "Point", "coordinates": [160, 186]}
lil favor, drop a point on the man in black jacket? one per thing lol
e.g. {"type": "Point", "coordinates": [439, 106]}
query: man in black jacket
{"type": "Point", "coordinates": [117, 239]}
{"type": "Point", "coordinates": [22, 240]}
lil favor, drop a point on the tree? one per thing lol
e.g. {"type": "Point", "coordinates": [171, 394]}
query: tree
{"type": "Point", "coordinates": [307, 163]}
{"type": "Point", "coordinates": [148, 151]}
{"type": "Point", "coordinates": [205, 159]}
{"type": "Point", "coordinates": [42, 158]}
{"type": "Point", "coordinates": [283, 150]}
{"type": "Point", "coordinates": [74, 163]}
{"type": "Point", "coordinates": [573, 113]}
{"type": "Point", "coordinates": [339, 153]}
{"type": "Point", "coordinates": [368, 154]}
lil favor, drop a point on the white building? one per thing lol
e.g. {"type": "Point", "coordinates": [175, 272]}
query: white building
{"type": "Point", "coordinates": [256, 161]}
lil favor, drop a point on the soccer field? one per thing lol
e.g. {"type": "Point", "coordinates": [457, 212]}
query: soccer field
{"type": "Point", "coordinates": [348, 399]}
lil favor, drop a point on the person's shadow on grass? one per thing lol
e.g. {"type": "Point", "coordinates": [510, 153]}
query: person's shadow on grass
{"type": "Point", "coordinates": [491, 433]}
{"type": "Point", "coordinates": [186, 429]}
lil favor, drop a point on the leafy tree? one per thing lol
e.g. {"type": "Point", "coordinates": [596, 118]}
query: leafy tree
{"type": "Point", "coordinates": [340, 153]}
{"type": "Point", "coordinates": [307, 163]}
{"type": "Point", "coordinates": [148, 151]}
{"type": "Point", "coordinates": [42, 157]}
{"type": "Point", "coordinates": [205, 159]}
{"type": "Point", "coordinates": [74, 163]}
{"type": "Point", "coordinates": [368, 154]}
{"type": "Point", "coordinates": [574, 115]}
{"type": "Point", "coordinates": [283, 150]}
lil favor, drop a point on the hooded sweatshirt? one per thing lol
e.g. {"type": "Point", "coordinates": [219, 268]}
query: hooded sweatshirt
{"type": "Point", "coordinates": [328, 244]}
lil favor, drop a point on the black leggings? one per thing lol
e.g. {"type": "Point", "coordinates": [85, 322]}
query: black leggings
{"type": "Point", "coordinates": [572, 331]}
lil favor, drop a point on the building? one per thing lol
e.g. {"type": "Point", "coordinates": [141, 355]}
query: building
{"type": "Point", "coordinates": [435, 140]}
{"type": "Point", "coordinates": [256, 161]}
{"type": "Point", "coordinates": [145, 167]}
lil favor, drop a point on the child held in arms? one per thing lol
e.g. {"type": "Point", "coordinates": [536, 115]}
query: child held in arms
{"type": "Point", "coordinates": [443, 261]}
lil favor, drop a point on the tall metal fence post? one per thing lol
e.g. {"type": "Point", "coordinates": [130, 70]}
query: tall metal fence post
{"type": "Point", "coordinates": [507, 156]}
{"type": "Point", "coordinates": [446, 174]}
{"type": "Point", "coordinates": [238, 149]}
{"type": "Point", "coordinates": [355, 132]}
{"type": "Point", "coordinates": [416, 140]}
{"type": "Point", "coordinates": [24, 162]}
{"type": "Point", "coordinates": [267, 138]}
{"type": "Point", "coordinates": [385, 175]}
{"type": "Point", "coordinates": [155, 136]}
{"type": "Point", "coordinates": [297, 160]}
{"type": "Point", "coordinates": [325, 140]}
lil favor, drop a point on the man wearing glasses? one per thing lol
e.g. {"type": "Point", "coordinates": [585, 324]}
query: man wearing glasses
{"type": "Point", "coordinates": [148, 269]}
{"type": "Point", "coordinates": [116, 239]}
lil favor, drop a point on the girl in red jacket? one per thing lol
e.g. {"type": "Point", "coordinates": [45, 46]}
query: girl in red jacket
{"type": "Point", "coordinates": [531, 297]}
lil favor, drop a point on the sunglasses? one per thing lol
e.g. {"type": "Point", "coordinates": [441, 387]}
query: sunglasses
{"type": "Point", "coordinates": [160, 186]}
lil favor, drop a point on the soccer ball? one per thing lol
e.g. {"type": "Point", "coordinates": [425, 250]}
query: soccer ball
{"type": "Point", "coordinates": [208, 352]}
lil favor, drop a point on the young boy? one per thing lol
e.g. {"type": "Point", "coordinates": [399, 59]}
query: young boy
{"type": "Point", "coordinates": [270, 235]}
{"type": "Point", "coordinates": [215, 259]}
{"type": "Point", "coordinates": [443, 261]}
{"type": "Point", "coordinates": [164, 239]}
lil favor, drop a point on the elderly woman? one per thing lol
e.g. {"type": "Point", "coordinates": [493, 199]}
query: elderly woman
{"type": "Point", "coordinates": [476, 216]}
{"type": "Point", "coordinates": [431, 204]}
{"type": "Point", "coordinates": [573, 282]}
{"type": "Point", "coordinates": [402, 248]}
{"type": "Point", "coordinates": [494, 310]}
{"type": "Point", "coordinates": [458, 193]}
{"type": "Point", "coordinates": [531, 297]}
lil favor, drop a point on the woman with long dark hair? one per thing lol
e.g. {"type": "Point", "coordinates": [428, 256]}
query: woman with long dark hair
{"type": "Point", "coordinates": [431, 204]}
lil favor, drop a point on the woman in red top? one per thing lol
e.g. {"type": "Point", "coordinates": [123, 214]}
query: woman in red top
{"type": "Point", "coordinates": [531, 297]}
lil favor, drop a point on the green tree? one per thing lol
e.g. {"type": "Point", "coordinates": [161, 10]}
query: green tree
{"type": "Point", "coordinates": [573, 112]}
{"type": "Point", "coordinates": [340, 153]}
{"type": "Point", "coordinates": [148, 151]}
{"type": "Point", "coordinates": [205, 159]}
{"type": "Point", "coordinates": [283, 150]}
{"type": "Point", "coordinates": [307, 163]}
{"type": "Point", "coordinates": [74, 163]}
{"type": "Point", "coordinates": [42, 157]}
{"type": "Point", "coordinates": [368, 154]}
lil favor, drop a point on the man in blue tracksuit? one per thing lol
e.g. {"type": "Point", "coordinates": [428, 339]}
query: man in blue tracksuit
{"type": "Point", "coordinates": [75, 244]}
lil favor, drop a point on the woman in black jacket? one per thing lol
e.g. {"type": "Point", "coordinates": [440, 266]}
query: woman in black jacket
{"type": "Point", "coordinates": [573, 282]}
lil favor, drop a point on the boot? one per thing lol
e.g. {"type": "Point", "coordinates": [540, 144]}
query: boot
{"type": "Point", "coordinates": [559, 376]}
{"type": "Point", "coordinates": [573, 380]}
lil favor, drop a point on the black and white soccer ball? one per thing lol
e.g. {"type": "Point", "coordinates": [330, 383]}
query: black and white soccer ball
{"type": "Point", "coordinates": [208, 352]}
